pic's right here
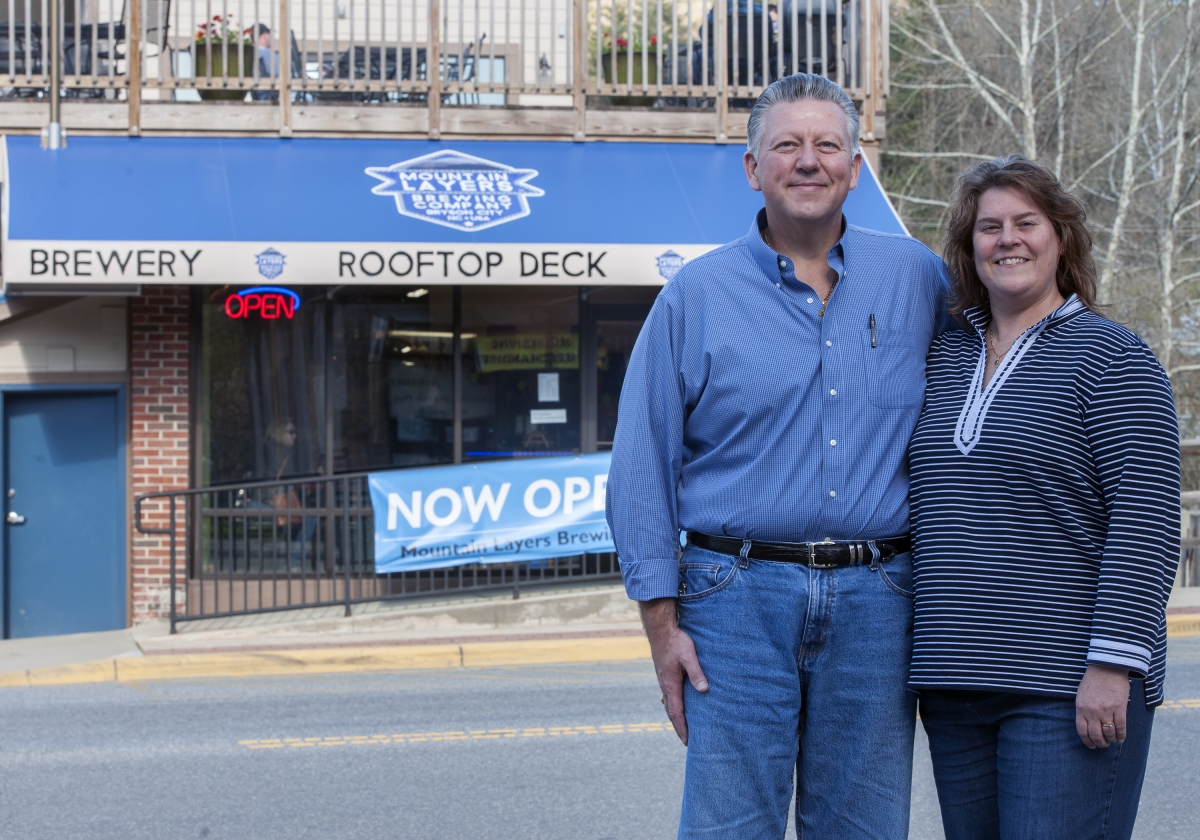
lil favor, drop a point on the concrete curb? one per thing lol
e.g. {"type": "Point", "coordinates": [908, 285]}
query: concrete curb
{"type": "Point", "coordinates": [371, 658]}
{"type": "Point", "coordinates": [1185, 624]}
{"type": "Point", "coordinates": [333, 661]}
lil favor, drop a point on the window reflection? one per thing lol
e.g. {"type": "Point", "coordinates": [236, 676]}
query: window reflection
{"type": "Point", "coordinates": [618, 312]}
{"type": "Point", "coordinates": [521, 371]}
{"type": "Point", "coordinates": [263, 383]}
{"type": "Point", "coordinates": [391, 383]}
{"type": "Point", "coordinates": [393, 377]}
{"type": "Point", "coordinates": [389, 361]}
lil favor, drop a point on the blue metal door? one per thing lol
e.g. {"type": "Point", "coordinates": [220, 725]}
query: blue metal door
{"type": "Point", "coordinates": [65, 513]}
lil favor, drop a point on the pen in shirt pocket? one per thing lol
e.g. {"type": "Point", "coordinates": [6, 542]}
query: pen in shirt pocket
{"type": "Point", "coordinates": [871, 324]}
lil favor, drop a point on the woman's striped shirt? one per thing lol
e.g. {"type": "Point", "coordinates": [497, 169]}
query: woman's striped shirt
{"type": "Point", "coordinates": [1045, 509]}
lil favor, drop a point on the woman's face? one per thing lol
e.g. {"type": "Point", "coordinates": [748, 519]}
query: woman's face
{"type": "Point", "coordinates": [1016, 248]}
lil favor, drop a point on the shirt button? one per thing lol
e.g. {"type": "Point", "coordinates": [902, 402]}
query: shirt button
{"type": "Point", "coordinates": [828, 343]}
{"type": "Point", "coordinates": [832, 493]}
{"type": "Point", "coordinates": [778, 285]}
{"type": "Point", "coordinates": [833, 443]}
{"type": "Point", "coordinates": [833, 392]}
{"type": "Point", "coordinates": [810, 300]}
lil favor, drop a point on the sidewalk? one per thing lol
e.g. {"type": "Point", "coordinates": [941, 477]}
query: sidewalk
{"type": "Point", "coordinates": [1183, 611]}
{"type": "Point", "coordinates": [588, 624]}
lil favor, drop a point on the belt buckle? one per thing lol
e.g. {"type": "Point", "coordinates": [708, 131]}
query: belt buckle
{"type": "Point", "coordinates": [812, 554]}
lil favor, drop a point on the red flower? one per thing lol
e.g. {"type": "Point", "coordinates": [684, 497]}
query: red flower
{"type": "Point", "coordinates": [621, 42]}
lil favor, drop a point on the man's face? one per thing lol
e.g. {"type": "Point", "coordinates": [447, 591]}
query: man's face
{"type": "Point", "coordinates": [804, 167]}
{"type": "Point", "coordinates": [264, 39]}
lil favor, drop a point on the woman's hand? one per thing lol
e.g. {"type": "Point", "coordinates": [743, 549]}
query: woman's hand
{"type": "Point", "coordinates": [1100, 706]}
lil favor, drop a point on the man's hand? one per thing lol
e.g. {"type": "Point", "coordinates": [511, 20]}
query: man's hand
{"type": "Point", "coordinates": [1102, 697]}
{"type": "Point", "coordinates": [674, 659]}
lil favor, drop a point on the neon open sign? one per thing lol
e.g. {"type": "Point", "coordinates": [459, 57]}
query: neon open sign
{"type": "Point", "coordinates": [268, 302]}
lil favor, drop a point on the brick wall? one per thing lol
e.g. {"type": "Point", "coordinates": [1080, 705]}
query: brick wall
{"type": "Point", "coordinates": [160, 446]}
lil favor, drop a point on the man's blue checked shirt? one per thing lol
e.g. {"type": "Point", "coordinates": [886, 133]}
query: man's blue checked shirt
{"type": "Point", "coordinates": [746, 414]}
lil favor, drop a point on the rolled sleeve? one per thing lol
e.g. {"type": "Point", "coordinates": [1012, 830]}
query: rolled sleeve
{"type": "Point", "coordinates": [647, 458]}
{"type": "Point", "coordinates": [1131, 426]}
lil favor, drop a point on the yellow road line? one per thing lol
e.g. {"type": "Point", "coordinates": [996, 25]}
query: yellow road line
{"type": "Point", "coordinates": [1181, 704]}
{"type": "Point", "coordinates": [495, 734]}
{"type": "Point", "coordinates": [469, 735]}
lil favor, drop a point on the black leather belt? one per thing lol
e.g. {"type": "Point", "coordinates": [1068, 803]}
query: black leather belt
{"type": "Point", "coordinates": [821, 555]}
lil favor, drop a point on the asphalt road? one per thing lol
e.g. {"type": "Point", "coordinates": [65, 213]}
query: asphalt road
{"type": "Point", "coordinates": [531, 752]}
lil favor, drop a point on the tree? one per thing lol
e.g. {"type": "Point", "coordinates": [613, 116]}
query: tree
{"type": "Point", "coordinates": [1099, 89]}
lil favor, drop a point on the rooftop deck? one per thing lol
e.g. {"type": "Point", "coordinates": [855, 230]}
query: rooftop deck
{"type": "Point", "coordinates": [573, 69]}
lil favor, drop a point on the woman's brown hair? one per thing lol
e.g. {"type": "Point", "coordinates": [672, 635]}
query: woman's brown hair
{"type": "Point", "coordinates": [1076, 268]}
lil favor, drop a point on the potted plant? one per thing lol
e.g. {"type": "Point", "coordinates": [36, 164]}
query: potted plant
{"type": "Point", "coordinates": [224, 50]}
{"type": "Point", "coordinates": [621, 56]}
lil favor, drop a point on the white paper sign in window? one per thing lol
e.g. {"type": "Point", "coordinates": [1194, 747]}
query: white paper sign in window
{"type": "Point", "coordinates": [547, 415]}
{"type": "Point", "coordinates": [548, 387]}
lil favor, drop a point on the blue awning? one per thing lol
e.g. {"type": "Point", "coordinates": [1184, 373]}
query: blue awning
{"type": "Point", "coordinates": [198, 210]}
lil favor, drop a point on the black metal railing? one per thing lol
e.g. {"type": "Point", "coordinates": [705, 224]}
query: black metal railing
{"type": "Point", "coordinates": [269, 546]}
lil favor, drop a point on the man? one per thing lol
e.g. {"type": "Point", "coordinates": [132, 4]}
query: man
{"type": "Point", "coordinates": [766, 412]}
{"type": "Point", "coordinates": [266, 61]}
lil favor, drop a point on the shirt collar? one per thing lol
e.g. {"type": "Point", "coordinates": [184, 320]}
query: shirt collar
{"type": "Point", "coordinates": [777, 267]}
{"type": "Point", "coordinates": [980, 316]}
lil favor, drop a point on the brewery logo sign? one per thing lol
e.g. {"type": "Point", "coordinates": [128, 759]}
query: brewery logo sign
{"type": "Point", "coordinates": [457, 190]}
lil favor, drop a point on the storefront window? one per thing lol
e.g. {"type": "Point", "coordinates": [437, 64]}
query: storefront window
{"type": "Point", "coordinates": [618, 313]}
{"type": "Point", "coordinates": [263, 386]}
{"type": "Point", "coordinates": [393, 377]}
{"type": "Point", "coordinates": [388, 357]}
{"type": "Point", "coordinates": [390, 372]}
{"type": "Point", "coordinates": [521, 371]}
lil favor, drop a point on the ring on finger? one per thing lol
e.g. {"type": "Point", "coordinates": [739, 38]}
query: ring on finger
{"type": "Point", "coordinates": [1108, 725]}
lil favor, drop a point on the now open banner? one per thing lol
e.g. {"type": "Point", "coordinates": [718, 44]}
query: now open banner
{"type": "Point", "coordinates": [498, 511]}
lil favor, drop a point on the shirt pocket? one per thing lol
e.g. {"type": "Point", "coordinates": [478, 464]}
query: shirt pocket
{"type": "Point", "coordinates": [895, 369]}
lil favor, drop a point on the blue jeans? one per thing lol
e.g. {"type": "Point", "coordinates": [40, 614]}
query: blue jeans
{"type": "Point", "coordinates": [1011, 767]}
{"type": "Point", "coordinates": [806, 671]}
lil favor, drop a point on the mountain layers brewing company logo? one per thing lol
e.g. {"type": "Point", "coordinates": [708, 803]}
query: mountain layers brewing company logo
{"type": "Point", "coordinates": [669, 264]}
{"type": "Point", "coordinates": [457, 190]}
{"type": "Point", "coordinates": [270, 263]}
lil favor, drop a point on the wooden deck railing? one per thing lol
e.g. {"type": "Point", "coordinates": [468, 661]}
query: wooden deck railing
{"type": "Point", "coordinates": [615, 68]}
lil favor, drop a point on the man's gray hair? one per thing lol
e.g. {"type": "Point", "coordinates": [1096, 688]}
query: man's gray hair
{"type": "Point", "coordinates": [795, 88]}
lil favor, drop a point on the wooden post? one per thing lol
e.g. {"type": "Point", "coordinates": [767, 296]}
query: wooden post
{"type": "Point", "coordinates": [433, 71]}
{"type": "Point", "coordinates": [875, 77]}
{"type": "Point", "coordinates": [285, 71]}
{"type": "Point", "coordinates": [580, 67]}
{"type": "Point", "coordinates": [133, 67]}
{"type": "Point", "coordinates": [720, 46]}
{"type": "Point", "coordinates": [53, 139]}
{"type": "Point", "coordinates": [869, 63]}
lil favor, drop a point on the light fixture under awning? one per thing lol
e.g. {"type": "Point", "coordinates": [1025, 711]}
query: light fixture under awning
{"type": "Point", "coordinates": [246, 211]}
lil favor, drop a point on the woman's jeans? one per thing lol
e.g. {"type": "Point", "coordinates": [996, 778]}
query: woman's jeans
{"type": "Point", "coordinates": [806, 671]}
{"type": "Point", "coordinates": [1011, 767]}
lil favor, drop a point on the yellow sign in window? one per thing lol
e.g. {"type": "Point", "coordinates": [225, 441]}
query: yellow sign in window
{"type": "Point", "coordinates": [527, 351]}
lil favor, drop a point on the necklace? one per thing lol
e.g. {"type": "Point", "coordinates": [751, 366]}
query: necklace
{"type": "Point", "coordinates": [825, 300]}
{"type": "Point", "coordinates": [766, 236]}
{"type": "Point", "coordinates": [991, 340]}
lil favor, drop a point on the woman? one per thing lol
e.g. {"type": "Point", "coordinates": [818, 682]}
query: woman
{"type": "Point", "coordinates": [1045, 493]}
